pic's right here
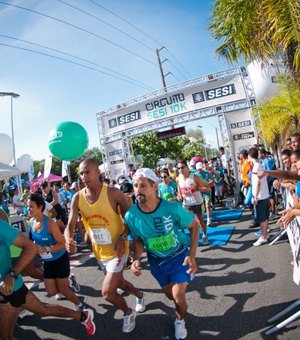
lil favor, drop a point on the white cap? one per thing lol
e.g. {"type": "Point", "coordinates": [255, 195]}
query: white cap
{"type": "Point", "coordinates": [192, 162]}
{"type": "Point", "coordinates": [199, 165]}
{"type": "Point", "coordinates": [146, 173]}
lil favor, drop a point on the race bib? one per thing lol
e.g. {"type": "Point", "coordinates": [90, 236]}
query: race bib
{"type": "Point", "coordinates": [161, 243]}
{"type": "Point", "coordinates": [46, 256]}
{"type": "Point", "coordinates": [100, 236]}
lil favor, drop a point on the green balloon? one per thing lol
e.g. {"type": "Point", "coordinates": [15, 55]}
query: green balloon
{"type": "Point", "coordinates": [68, 141]}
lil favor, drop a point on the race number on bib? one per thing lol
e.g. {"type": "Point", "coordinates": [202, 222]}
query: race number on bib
{"type": "Point", "coordinates": [161, 243]}
{"type": "Point", "coordinates": [101, 236]}
{"type": "Point", "coordinates": [46, 256]}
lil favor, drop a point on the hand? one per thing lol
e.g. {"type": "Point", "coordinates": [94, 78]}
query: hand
{"type": "Point", "coordinates": [136, 268]}
{"type": "Point", "coordinates": [71, 246]}
{"type": "Point", "coordinates": [7, 285]}
{"type": "Point", "coordinates": [120, 247]}
{"type": "Point", "coordinates": [191, 262]}
{"type": "Point", "coordinates": [261, 174]}
{"type": "Point", "coordinates": [287, 217]}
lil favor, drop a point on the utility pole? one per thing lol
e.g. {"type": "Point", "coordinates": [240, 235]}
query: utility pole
{"type": "Point", "coordinates": [163, 78]}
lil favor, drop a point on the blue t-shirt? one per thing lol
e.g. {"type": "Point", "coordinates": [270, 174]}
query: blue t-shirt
{"type": "Point", "coordinates": [44, 239]}
{"type": "Point", "coordinates": [167, 191]}
{"type": "Point", "coordinates": [205, 175]}
{"type": "Point", "coordinates": [8, 235]}
{"type": "Point", "coordinates": [159, 229]}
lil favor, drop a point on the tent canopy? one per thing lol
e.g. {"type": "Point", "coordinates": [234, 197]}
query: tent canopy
{"type": "Point", "coordinates": [36, 182]}
{"type": "Point", "coordinates": [7, 171]}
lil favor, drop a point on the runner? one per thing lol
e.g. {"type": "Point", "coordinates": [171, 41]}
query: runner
{"type": "Point", "coordinates": [46, 234]}
{"type": "Point", "coordinates": [100, 208]}
{"type": "Point", "coordinates": [155, 224]}
{"type": "Point", "coordinates": [14, 294]}
{"type": "Point", "coordinates": [189, 187]}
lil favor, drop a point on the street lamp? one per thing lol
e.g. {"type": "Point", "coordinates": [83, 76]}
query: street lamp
{"type": "Point", "coordinates": [12, 95]}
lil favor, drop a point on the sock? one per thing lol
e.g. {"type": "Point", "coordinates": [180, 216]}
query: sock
{"type": "Point", "coordinates": [83, 317]}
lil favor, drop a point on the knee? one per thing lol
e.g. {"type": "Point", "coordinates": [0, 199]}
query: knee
{"type": "Point", "coordinates": [108, 295]}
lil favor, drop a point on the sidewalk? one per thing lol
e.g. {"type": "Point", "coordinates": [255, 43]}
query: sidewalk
{"type": "Point", "coordinates": [238, 287]}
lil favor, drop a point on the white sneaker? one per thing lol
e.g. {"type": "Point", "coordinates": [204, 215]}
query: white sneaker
{"type": "Point", "coordinates": [140, 305]}
{"type": "Point", "coordinates": [120, 291]}
{"type": "Point", "coordinates": [59, 296]}
{"type": "Point", "coordinates": [205, 240]}
{"type": "Point", "coordinates": [128, 322]}
{"type": "Point", "coordinates": [78, 308]}
{"type": "Point", "coordinates": [180, 330]}
{"type": "Point", "coordinates": [260, 241]}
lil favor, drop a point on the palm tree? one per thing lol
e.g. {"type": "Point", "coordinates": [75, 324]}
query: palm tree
{"type": "Point", "coordinates": [260, 30]}
{"type": "Point", "coordinates": [280, 115]}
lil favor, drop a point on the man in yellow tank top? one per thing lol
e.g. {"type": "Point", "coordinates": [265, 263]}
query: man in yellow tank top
{"type": "Point", "coordinates": [100, 207]}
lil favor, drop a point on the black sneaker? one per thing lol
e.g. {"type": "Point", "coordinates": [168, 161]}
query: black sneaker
{"type": "Point", "coordinates": [254, 225]}
{"type": "Point", "coordinates": [73, 283]}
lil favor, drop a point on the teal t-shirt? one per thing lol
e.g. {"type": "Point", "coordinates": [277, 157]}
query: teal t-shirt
{"type": "Point", "coordinates": [204, 175]}
{"type": "Point", "coordinates": [8, 235]}
{"type": "Point", "coordinates": [159, 229]}
{"type": "Point", "coordinates": [167, 191]}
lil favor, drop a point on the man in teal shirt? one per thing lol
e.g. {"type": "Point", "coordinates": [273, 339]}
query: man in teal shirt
{"type": "Point", "coordinates": [156, 225]}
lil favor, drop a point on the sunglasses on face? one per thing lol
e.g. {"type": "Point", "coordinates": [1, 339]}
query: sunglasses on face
{"type": "Point", "coordinates": [180, 167]}
{"type": "Point", "coordinates": [164, 176]}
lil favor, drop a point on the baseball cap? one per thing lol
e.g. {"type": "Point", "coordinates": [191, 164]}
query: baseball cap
{"type": "Point", "coordinates": [74, 185]}
{"type": "Point", "coordinates": [122, 179]}
{"type": "Point", "coordinates": [146, 173]}
{"type": "Point", "coordinates": [243, 152]}
{"type": "Point", "coordinates": [199, 165]}
{"type": "Point", "coordinates": [192, 162]}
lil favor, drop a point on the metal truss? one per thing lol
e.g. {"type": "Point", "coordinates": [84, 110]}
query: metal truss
{"type": "Point", "coordinates": [202, 80]}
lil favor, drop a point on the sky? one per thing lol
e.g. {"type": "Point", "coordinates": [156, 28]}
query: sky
{"type": "Point", "coordinates": [86, 38]}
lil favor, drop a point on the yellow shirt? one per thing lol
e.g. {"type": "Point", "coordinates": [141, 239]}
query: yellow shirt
{"type": "Point", "coordinates": [103, 225]}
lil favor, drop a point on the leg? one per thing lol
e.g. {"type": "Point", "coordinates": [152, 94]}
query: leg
{"type": "Point", "coordinates": [176, 292]}
{"type": "Point", "coordinates": [63, 287]}
{"type": "Point", "coordinates": [8, 319]}
{"type": "Point", "coordinates": [34, 305]}
{"type": "Point", "coordinates": [33, 271]}
{"type": "Point", "coordinates": [50, 285]}
{"type": "Point", "coordinates": [111, 282]}
{"type": "Point", "coordinates": [264, 228]}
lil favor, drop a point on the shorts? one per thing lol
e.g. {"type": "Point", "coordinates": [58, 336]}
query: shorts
{"type": "Point", "coordinates": [114, 265]}
{"type": "Point", "coordinates": [171, 270]}
{"type": "Point", "coordinates": [17, 298]}
{"type": "Point", "coordinates": [262, 211]}
{"type": "Point", "coordinates": [206, 196]}
{"type": "Point", "coordinates": [196, 209]}
{"type": "Point", "coordinates": [57, 269]}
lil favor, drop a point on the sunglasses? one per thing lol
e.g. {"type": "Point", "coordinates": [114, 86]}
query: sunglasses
{"type": "Point", "coordinates": [180, 167]}
{"type": "Point", "coordinates": [164, 176]}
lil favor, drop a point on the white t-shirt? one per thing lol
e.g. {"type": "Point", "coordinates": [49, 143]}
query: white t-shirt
{"type": "Point", "coordinates": [264, 190]}
{"type": "Point", "coordinates": [16, 200]}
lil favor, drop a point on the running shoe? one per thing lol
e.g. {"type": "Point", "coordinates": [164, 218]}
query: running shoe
{"type": "Point", "coordinates": [140, 305]}
{"type": "Point", "coordinates": [120, 291]}
{"type": "Point", "coordinates": [205, 240]}
{"type": "Point", "coordinates": [260, 241]}
{"type": "Point", "coordinates": [88, 323]}
{"type": "Point", "coordinates": [73, 283]}
{"type": "Point", "coordinates": [128, 322]}
{"type": "Point", "coordinates": [180, 330]}
{"type": "Point", "coordinates": [59, 296]}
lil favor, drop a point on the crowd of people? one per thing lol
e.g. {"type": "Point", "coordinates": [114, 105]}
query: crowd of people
{"type": "Point", "coordinates": [158, 211]}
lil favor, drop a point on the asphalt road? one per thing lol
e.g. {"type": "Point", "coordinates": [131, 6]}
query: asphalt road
{"type": "Point", "coordinates": [238, 287]}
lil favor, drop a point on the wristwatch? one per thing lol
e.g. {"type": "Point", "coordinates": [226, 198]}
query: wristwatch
{"type": "Point", "coordinates": [124, 237]}
{"type": "Point", "coordinates": [13, 274]}
{"type": "Point", "coordinates": [48, 250]}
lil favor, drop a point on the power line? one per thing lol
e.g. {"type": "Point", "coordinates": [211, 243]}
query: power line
{"type": "Point", "coordinates": [81, 29]}
{"type": "Point", "coordinates": [144, 33]}
{"type": "Point", "coordinates": [127, 22]}
{"type": "Point", "coordinates": [78, 58]}
{"type": "Point", "coordinates": [72, 62]}
{"type": "Point", "coordinates": [107, 23]}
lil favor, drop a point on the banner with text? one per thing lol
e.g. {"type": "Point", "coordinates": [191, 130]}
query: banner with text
{"type": "Point", "coordinates": [192, 98]}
